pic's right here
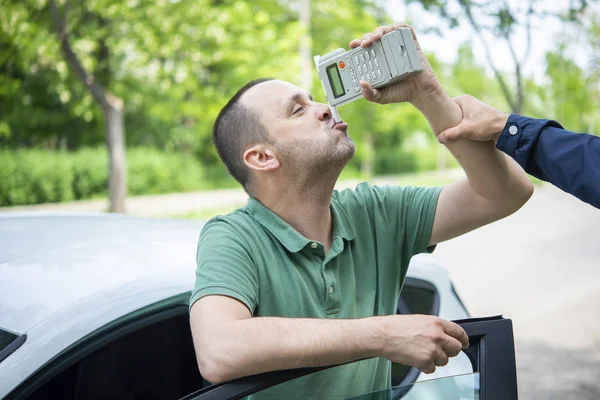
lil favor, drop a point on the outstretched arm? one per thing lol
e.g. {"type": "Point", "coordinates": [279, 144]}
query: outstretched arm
{"type": "Point", "coordinates": [230, 343]}
{"type": "Point", "coordinates": [568, 160]}
{"type": "Point", "coordinates": [495, 186]}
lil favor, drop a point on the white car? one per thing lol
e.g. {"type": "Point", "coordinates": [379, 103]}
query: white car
{"type": "Point", "coordinates": [96, 306]}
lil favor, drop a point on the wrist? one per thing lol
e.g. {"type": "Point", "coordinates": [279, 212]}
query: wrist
{"type": "Point", "coordinates": [439, 109]}
{"type": "Point", "coordinates": [377, 336]}
{"type": "Point", "coordinates": [498, 124]}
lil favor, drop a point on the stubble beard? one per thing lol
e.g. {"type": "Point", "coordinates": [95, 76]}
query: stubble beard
{"type": "Point", "coordinates": [311, 163]}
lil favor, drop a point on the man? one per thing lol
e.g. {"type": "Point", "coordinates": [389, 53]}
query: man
{"type": "Point", "coordinates": [306, 276]}
{"type": "Point", "coordinates": [542, 147]}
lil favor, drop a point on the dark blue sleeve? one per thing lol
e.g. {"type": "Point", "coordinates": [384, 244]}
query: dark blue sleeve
{"type": "Point", "coordinates": [568, 160]}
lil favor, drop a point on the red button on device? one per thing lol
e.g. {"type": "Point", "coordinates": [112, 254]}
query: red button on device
{"type": "Point", "coordinates": [342, 65]}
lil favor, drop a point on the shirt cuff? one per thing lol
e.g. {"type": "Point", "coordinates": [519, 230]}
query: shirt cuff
{"type": "Point", "coordinates": [520, 135]}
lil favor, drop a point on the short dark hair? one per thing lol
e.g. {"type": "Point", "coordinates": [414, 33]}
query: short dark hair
{"type": "Point", "coordinates": [237, 128]}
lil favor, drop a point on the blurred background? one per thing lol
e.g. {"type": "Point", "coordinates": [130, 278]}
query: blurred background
{"type": "Point", "coordinates": [107, 105]}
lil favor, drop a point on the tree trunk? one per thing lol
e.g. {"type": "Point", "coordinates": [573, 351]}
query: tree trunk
{"type": "Point", "coordinates": [112, 108]}
{"type": "Point", "coordinates": [306, 60]}
{"type": "Point", "coordinates": [115, 143]}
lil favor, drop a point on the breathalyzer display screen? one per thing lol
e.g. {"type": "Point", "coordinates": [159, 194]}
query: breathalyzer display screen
{"type": "Point", "coordinates": [333, 73]}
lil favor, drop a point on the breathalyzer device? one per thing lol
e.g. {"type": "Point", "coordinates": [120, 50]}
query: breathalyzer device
{"type": "Point", "coordinates": [383, 63]}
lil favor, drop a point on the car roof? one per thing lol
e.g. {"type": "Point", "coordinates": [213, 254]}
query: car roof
{"type": "Point", "coordinates": [49, 261]}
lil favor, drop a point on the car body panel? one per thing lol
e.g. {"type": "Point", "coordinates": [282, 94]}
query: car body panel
{"type": "Point", "coordinates": [67, 280]}
{"type": "Point", "coordinates": [60, 295]}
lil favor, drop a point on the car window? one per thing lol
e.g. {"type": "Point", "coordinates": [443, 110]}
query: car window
{"type": "Point", "coordinates": [461, 387]}
{"type": "Point", "coordinates": [149, 361]}
{"type": "Point", "coordinates": [418, 297]}
{"type": "Point", "coordinates": [491, 353]}
{"type": "Point", "coordinates": [9, 342]}
{"type": "Point", "coordinates": [6, 338]}
{"type": "Point", "coordinates": [355, 381]}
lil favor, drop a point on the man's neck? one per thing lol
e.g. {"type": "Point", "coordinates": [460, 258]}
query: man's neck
{"type": "Point", "coordinates": [306, 209]}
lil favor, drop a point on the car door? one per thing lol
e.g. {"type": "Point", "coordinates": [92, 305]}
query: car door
{"type": "Point", "coordinates": [491, 352]}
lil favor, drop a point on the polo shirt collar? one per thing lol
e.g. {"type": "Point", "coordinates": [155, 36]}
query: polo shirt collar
{"type": "Point", "coordinates": [290, 238]}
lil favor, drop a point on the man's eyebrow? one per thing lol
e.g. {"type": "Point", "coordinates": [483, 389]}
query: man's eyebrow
{"type": "Point", "coordinates": [296, 98]}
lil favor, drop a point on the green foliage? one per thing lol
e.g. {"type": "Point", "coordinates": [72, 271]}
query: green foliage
{"type": "Point", "coordinates": [39, 176]}
{"type": "Point", "coordinates": [175, 63]}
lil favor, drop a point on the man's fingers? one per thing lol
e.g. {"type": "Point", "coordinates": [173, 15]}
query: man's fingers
{"type": "Point", "coordinates": [457, 332]}
{"type": "Point", "coordinates": [368, 38]}
{"type": "Point", "coordinates": [452, 347]}
{"type": "Point", "coordinates": [355, 43]}
{"type": "Point", "coordinates": [369, 92]}
{"type": "Point", "coordinates": [451, 134]}
{"type": "Point", "coordinates": [399, 25]}
{"type": "Point", "coordinates": [428, 368]}
{"type": "Point", "coordinates": [378, 33]}
{"type": "Point", "coordinates": [441, 359]}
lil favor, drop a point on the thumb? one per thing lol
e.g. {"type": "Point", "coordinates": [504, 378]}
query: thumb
{"type": "Point", "coordinates": [452, 134]}
{"type": "Point", "coordinates": [369, 92]}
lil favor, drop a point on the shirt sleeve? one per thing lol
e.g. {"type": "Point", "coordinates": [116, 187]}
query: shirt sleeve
{"type": "Point", "coordinates": [409, 213]}
{"type": "Point", "coordinates": [224, 265]}
{"type": "Point", "coordinates": [568, 160]}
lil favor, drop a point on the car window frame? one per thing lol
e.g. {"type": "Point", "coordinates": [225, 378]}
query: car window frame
{"type": "Point", "coordinates": [413, 373]}
{"type": "Point", "coordinates": [12, 346]}
{"type": "Point", "coordinates": [491, 352]}
{"type": "Point", "coordinates": [115, 330]}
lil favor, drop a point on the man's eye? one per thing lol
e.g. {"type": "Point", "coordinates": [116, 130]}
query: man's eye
{"type": "Point", "coordinates": [298, 110]}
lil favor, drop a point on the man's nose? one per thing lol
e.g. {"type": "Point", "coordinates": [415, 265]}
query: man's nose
{"type": "Point", "coordinates": [324, 112]}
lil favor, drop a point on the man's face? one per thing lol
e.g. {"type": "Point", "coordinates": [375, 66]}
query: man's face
{"type": "Point", "coordinates": [305, 136]}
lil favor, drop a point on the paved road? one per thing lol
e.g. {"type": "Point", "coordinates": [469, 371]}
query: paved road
{"type": "Point", "coordinates": [541, 268]}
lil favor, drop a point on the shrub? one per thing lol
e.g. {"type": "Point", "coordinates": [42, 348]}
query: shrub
{"type": "Point", "coordinates": [39, 176]}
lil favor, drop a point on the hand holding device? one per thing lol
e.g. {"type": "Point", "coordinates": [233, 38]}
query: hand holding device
{"type": "Point", "coordinates": [382, 63]}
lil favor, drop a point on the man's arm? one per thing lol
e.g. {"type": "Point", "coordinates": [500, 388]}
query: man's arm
{"type": "Point", "coordinates": [230, 343]}
{"type": "Point", "coordinates": [568, 160]}
{"type": "Point", "coordinates": [495, 186]}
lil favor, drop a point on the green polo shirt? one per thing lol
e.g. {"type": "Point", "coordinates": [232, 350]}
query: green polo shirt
{"type": "Point", "coordinates": [257, 258]}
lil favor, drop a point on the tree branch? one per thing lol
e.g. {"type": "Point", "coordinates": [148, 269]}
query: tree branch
{"type": "Point", "coordinates": [465, 5]}
{"type": "Point", "coordinates": [97, 91]}
{"type": "Point", "coordinates": [528, 32]}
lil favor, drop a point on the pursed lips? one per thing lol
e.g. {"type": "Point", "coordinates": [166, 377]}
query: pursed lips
{"type": "Point", "coordinates": [338, 125]}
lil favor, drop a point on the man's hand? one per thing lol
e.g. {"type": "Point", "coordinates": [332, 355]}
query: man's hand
{"type": "Point", "coordinates": [410, 89]}
{"type": "Point", "coordinates": [480, 122]}
{"type": "Point", "coordinates": [422, 341]}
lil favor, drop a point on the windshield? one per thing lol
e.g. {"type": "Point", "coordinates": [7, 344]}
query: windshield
{"type": "Point", "coordinates": [460, 387]}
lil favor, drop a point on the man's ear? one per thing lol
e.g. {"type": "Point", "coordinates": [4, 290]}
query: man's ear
{"type": "Point", "coordinates": [261, 158]}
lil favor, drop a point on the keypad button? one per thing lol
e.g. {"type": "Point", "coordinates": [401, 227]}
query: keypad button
{"type": "Point", "coordinates": [365, 67]}
{"type": "Point", "coordinates": [370, 65]}
{"type": "Point", "coordinates": [367, 55]}
{"type": "Point", "coordinates": [356, 59]}
{"type": "Point", "coordinates": [362, 58]}
{"type": "Point", "coordinates": [362, 78]}
{"type": "Point", "coordinates": [376, 62]}
{"type": "Point", "coordinates": [360, 71]}
{"type": "Point", "coordinates": [373, 52]}
{"type": "Point", "coordinates": [379, 73]}
{"type": "Point", "coordinates": [368, 76]}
